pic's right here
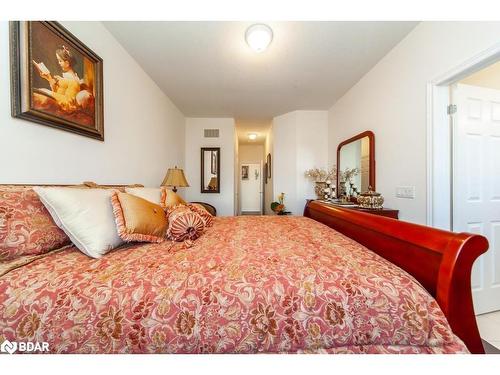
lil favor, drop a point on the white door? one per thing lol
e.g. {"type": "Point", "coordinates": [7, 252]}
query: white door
{"type": "Point", "coordinates": [251, 188]}
{"type": "Point", "coordinates": [476, 184]}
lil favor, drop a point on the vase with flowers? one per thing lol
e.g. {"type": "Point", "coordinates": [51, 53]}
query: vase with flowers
{"type": "Point", "coordinates": [279, 206]}
{"type": "Point", "coordinates": [348, 188]}
{"type": "Point", "coordinates": [325, 181]}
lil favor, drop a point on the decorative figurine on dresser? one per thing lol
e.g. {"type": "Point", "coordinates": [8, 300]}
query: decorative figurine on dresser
{"type": "Point", "coordinates": [371, 199]}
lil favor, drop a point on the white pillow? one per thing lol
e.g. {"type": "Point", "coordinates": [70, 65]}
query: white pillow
{"type": "Point", "coordinates": [85, 215]}
{"type": "Point", "coordinates": [150, 194]}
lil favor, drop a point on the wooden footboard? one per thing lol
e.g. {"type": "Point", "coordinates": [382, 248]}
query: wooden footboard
{"type": "Point", "coordinates": [440, 260]}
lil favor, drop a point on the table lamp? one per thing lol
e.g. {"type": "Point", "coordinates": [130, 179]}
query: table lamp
{"type": "Point", "coordinates": [175, 178]}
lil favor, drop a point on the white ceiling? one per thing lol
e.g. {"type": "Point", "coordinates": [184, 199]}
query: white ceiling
{"type": "Point", "coordinates": [207, 69]}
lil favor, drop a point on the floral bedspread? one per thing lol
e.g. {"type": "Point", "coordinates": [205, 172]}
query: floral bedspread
{"type": "Point", "coordinates": [248, 285]}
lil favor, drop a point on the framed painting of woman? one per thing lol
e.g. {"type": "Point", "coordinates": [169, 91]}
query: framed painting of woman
{"type": "Point", "coordinates": [56, 80]}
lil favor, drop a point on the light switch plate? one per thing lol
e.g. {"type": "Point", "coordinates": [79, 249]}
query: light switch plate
{"type": "Point", "coordinates": [407, 192]}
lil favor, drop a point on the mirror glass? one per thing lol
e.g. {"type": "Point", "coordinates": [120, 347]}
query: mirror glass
{"type": "Point", "coordinates": [210, 166]}
{"type": "Point", "coordinates": [355, 160]}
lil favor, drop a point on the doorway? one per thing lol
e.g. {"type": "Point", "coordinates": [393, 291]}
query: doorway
{"type": "Point", "coordinates": [253, 139]}
{"type": "Point", "coordinates": [463, 177]}
{"type": "Point", "coordinates": [476, 178]}
{"type": "Point", "coordinates": [251, 188]}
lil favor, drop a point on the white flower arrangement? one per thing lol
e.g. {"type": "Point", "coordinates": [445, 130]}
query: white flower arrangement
{"type": "Point", "coordinates": [321, 174]}
{"type": "Point", "coordinates": [348, 174]}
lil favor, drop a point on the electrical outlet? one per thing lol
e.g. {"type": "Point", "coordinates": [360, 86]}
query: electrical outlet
{"type": "Point", "coordinates": [407, 192]}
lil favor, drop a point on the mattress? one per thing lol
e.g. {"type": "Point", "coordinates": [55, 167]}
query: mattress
{"type": "Point", "coordinates": [271, 284]}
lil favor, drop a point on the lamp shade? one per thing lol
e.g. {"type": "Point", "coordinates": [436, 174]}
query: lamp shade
{"type": "Point", "coordinates": [175, 177]}
{"type": "Point", "coordinates": [212, 185]}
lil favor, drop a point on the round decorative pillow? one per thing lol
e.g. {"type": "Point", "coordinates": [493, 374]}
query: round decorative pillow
{"type": "Point", "coordinates": [184, 224]}
{"type": "Point", "coordinates": [205, 215]}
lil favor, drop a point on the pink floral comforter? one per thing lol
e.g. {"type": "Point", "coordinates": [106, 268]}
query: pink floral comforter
{"type": "Point", "coordinates": [250, 284]}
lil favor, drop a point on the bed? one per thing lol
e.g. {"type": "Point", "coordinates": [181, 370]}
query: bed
{"type": "Point", "coordinates": [274, 284]}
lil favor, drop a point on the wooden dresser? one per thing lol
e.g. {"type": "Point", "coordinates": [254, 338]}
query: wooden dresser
{"type": "Point", "coordinates": [387, 212]}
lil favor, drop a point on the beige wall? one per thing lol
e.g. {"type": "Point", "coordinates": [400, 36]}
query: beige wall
{"type": "Point", "coordinates": [251, 154]}
{"type": "Point", "coordinates": [391, 100]}
{"type": "Point", "coordinates": [144, 130]}
{"type": "Point", "coordinates": [488, 77]}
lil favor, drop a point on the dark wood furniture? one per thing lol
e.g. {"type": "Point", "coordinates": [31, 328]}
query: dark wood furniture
{"type": "Point", "coordinates": [387, 212]}
{"type": "Point", "coordinates": [208, 207]}
{"type": "Point", "coordinates": [440, 260]}
{"type": "Point", "coordinates": [371, 138]}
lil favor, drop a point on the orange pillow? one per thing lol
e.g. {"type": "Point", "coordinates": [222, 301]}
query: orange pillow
{"type": "Point", "coordinates": [170, 199]}
{"type": "Point", "coordinates": [138, 219]}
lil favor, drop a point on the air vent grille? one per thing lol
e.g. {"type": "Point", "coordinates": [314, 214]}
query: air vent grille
{"type": "Point", "coordinates": [211, 133]}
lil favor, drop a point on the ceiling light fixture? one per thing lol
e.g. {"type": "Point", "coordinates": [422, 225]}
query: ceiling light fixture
{"type": "Point", "coordinates": [258, 37]}
{"type": "Point", "coordinates": [252, 136]}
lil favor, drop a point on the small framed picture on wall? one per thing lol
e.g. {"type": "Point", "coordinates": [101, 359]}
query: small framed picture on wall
{"type": "Point", "coordinates": [268, 164]}
{"type": "Point", "coordinates": [244, 172]}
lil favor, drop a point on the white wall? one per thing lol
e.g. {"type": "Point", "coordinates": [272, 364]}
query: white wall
{"type": "Point", "coordinates": [391, 99]}
{"type": "Point", "coordinates": [194, 141]}
{"type": "Point", "coordinates": [312, 151]}
{"type": "Point", "coordinates": [300, 142]}
{"type": "Point", "coordinates": [143, 129]}
{"type": "Point", "coordinates": [284, 162]}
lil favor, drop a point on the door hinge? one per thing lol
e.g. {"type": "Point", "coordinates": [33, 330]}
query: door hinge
{"type": "Point", "coordinates": [451, 109]}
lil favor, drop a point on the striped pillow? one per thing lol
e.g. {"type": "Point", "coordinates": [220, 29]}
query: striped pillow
{"type": "Point", "coordinates": [184, 224]}
{"type": "Point", "coordinates": [207, 217]}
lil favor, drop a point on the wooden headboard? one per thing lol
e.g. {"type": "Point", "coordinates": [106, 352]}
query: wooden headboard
{"type": "Point", "coordinates": [440, 260]}
{"type": "Point", "coordinates": [88, 184]}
